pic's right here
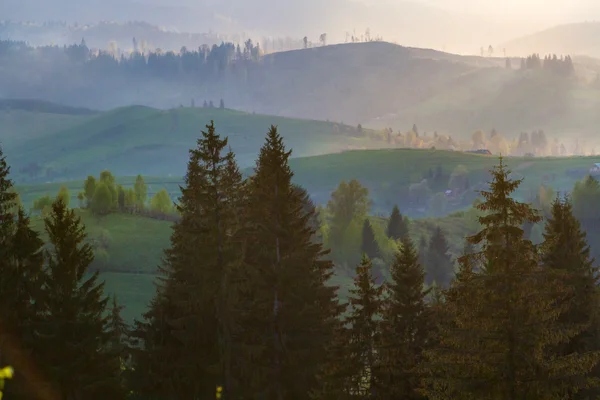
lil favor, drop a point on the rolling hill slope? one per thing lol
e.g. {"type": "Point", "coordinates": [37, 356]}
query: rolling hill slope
{"type": "Point", "coordinates": [134, 140]}
{"type": "Point", "coordinates": [376, 84]}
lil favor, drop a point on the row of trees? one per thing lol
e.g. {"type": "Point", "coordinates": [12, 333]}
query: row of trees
{"type": "Point", "coordinates": [561, 66]}
{"type": "Point", "coordinates": [258, 317]}
{"type": "Point", "coordinates": [246, 302]}
{"type": "Point", "coordinates": [202, 63]}
{"type": "Point", "coordinates": [57, 329]}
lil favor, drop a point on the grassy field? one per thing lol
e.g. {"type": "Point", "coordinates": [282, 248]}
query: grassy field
{"type": "Point", "coordinates": [144, 140]}
{"type": "Point", "coordinates": [137, 244]}
{"type": "Point", "coordinates": [384, 172]}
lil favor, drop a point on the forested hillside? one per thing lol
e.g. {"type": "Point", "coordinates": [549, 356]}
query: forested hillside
{"type": "Point", "coordinates": [375, 84]}
{"type": "Point", "coordinates": [250, 304]}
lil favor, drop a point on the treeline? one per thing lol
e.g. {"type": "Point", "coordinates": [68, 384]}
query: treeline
{"type": "Point", "coordinates": [246, 308]}
{"type": "Point", "coordinates": [561, 66]}
{"type": "Point", "coordinates": [204, 62]}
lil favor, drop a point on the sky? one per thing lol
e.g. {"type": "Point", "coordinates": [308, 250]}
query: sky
{"type": "Point", "coordinates": [460, 26]}
{"type": "Point", "coordinates": [550, 11]}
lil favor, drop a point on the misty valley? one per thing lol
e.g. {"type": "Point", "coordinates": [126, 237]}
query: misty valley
{"type": "Point", "coordinates": [196, 203]}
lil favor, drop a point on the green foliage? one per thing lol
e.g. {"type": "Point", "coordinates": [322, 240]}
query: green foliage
{"type": "Point", "coordinates": [64, 196]}
{"type": "Point", "coordinates": [286, 299]}
{"type": "Point", "coordinates": [405, 326]}
{"type": "Point", "coordinates": [71, 331]}
{"type": "Point", "coordinates": [102, 202]}
{"type": "Point", "coordinates": [397, 226]}
{"type": "Point", "coordinates": [459, 179]}
{"type": "Point", "coordinates": [199, 302]}
{"type": "Point", "coordinates": [366, 300]}
{"type": "Point", "coordinates": [141, 192]}
{"type": "Point", "coordinates": [161, 202]}
{"type": "Point", "coordinates": [89, 188]}
{"type": "Point", "coordinates": [439, 264]}
{"type": "Point", "coordinates": [349, 202]}
{"type": "Point", "coordinates": [21, 264]}
{"type": "Point", "coordinates": [586, 197]}
{"type": "Point", "coordinates": [369, 245]}
{"type": "Point", "coordinates": [507, 330]}
{"type": "Point", "coordinates": [42, 203]}
{"type": "Point", "coordinates": [566, 252]}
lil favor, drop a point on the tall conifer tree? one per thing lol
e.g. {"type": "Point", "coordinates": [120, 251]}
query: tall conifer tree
{"type": "Point", "coordinates": [405, 326]}
{"type": "Point", "coordinates": [198, 272]}
{"type": "Point", "coordinates": [565, 250]}
{"type": "Point", "coordinates": [289, 313]}
{"type": "Point", "coordinates": [503, 317]}
{"type": "Point", "coordinates": [71, 333]}
{"type": "Point", "coordinates": [440, 267]}
{"type": "Point", "coordinates": [366, 301]}
{"type": "Point", "coordinates": [21, 262]}
{"type": "Point", "coordinates": [369, 244]}
{"type": "Point", "coordinates": [397, 227]}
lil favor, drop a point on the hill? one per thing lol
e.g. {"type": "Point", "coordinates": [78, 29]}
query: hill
{"type": "Point", "coordinates": [376, 84]}
{"type": "Point", "coordinates": [575, 39]}
{"type": "Point", "coordinates": [406, 20]}
{"type": "Point", "coordinates": [134, 140]}
{"type": "Point", "coordinates": [388, 174]}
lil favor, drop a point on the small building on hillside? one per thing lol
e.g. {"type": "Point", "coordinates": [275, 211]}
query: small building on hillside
{"type": "Point", "coordinates": [595, 170]}
{"type": "Point", "coordinates": [480, 151]}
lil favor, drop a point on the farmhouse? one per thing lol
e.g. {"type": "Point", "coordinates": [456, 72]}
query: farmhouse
{"type": "Point", "coordinates": [480, 151]}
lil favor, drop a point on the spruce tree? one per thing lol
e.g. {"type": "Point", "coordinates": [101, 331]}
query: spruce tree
{"type": "Point", "coordinates": [565, 250]}
{"type": "Point", "coordinates": [287, 312]}
{"type": "Point", "coordinates": [198, 270]}
{"type": "Point", "coordinates": [21, 263]}
{"type": "Point", "coordinates": [502, 313]}
{"type": "Point", "coordinates": [366, 301]}
{"type": "Point", "coordinates": [152, 352]}
{"type": "Point", "coordinates": [440, 267]}
{"type": "Point", "coordinates": [396, 228]}
{"type": "Point", "coordinates": [405, 327]}
{"type": "Point", "coordinates": [71, 331]}
{"type": "Point", "coordinates": [335, 374]}
{"type": "Point", "coordinates": [369, 244]}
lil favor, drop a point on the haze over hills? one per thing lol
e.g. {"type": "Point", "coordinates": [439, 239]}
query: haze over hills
{"type": "Point", "coordinates": [576, 38]}
{"type": "Point", "coordinates": [376, 84]}
{"type": "Point", "coordinates": [411, 23]}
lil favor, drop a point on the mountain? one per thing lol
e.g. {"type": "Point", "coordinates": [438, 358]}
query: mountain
{"type": "Point", "coordinates": [574, 39]}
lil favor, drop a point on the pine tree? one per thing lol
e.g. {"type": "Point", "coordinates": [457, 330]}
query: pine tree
{"type": "Point", "coordinates": [396, 228]}
{"type": "Point", "coordinates": [335, 374]}
{"type": "Point", "coordinates": [440, 267]}
{"type": "Point", "coordinates": [21, 262]}
{"type": "Point", "coordinates": [369, 245]}
{"type": "Point", "coordinates": [152, 355]}
{"type": "Point", "coordinates": [566, 251]}
{"type": "Point", "coordinates": [288, 313]}
{"type": "Point", "coordinates": [71, 330]}
{"type": "Point", "coordinates": [366, 300]}
{"type": "Point", "coordinates": [405, 327]}
{"type": "Point", "coordinates": [423, 250]}
{"type": "Point", "coordinates": [503, 318]}
{"type": "Point", "coordinates": [198, 271]}
{"type": "Point", "coordinates": [117, 347]}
